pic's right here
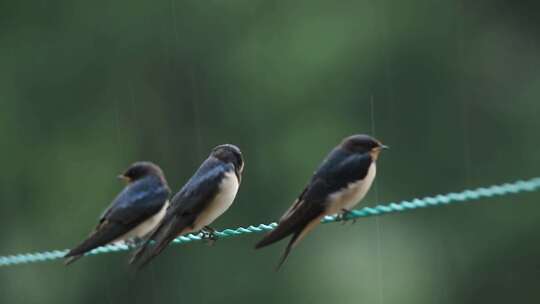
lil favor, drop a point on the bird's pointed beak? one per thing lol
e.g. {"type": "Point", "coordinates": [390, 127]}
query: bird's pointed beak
{"type": "Point", "coordinates": [123, 177]}
{"type": "Point", "coordinates": [384, 147]}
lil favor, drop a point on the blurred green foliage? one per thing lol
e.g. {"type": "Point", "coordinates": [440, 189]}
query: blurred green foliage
{"type": "Point", "coordinates": [86, 88]}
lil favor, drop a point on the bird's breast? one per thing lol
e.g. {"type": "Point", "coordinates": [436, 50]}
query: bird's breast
{"type": "Point", "coordinates": [352, 194]}
{"type": "Point", "coordinates": [221, 202]}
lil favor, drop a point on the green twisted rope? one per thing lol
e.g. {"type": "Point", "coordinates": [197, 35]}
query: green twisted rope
{"type": "Point", "coordinates": [431, 201]}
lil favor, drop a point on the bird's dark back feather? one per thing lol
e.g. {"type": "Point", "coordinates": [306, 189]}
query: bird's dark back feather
{"type": "Point", "coordinates": [138, 200]}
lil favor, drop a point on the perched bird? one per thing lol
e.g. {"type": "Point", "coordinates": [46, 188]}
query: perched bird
{"type": "Point", "coordinates": [133, 213]}
{"type": "Point", "coordinates": [340, 182]}
{"type": "Point", "coordinates": [206, 196]}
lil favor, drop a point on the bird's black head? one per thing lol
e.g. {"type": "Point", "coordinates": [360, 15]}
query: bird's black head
{"type": "Point", "coordinates": [140, 170]}
{"type": "Point", "coordinates": [361, 143]}
{"type": "Point", "coordinates": [230, 154]}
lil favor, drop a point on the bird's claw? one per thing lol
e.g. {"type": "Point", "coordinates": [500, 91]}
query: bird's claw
{"type": "Point", "coordinates": [343, 217]}
{"type": "Point", "coordinates": [209, 234]}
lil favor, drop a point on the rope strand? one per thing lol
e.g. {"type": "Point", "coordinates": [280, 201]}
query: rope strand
{"type": "Point", "coordinates": [430, 201]}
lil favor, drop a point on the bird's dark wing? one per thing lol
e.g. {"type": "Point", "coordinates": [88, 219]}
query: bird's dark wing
{"type": "Point", "coordinates": [341, 168]}
{"type": "Point", "coordinates": [136, 204]}
{"type": "Point", "coordinates": [199, 191]}
{"type": "Point", "coordinates": [104, 233]}
{"type": "Point", "coordinates": [336, 172]}
{"type": "Point", "coordinates": [133, 205]}
{"type": "Point", "coordinates": [185, 207]}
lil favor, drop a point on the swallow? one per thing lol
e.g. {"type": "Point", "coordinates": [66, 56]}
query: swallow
{"type": "Point", "coordinates": [340, 182]}
{"type": "Point", "coordinates": [205, 197]}
{"type": "Point", "coordinates": [133, 214]}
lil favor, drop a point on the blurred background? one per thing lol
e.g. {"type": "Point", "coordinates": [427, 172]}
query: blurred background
{"type": "Point", "coordinates": [86, 88]}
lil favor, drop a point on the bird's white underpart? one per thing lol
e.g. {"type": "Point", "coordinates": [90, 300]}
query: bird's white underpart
{"type": "Point", "coordinates": [221, 202]}
{"type": "Point", "coordinates": [350, 196]}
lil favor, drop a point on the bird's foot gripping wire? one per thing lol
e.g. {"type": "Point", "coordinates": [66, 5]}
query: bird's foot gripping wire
{"type": "Point", "coordinates": [209, 234]}
{"type": "Point", "coordinates": [344, 216]}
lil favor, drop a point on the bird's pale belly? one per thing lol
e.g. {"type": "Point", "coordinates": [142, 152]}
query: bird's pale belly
{"type": "Point", "coordinates": [350, 196]}
{"type": "Point", "coordinates": [220, 204]}
{"type": "Point", "coordinates": [145, 227]}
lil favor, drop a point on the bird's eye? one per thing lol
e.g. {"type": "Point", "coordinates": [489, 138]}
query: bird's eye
{"type": "Point", "coordinates": [131, 173]}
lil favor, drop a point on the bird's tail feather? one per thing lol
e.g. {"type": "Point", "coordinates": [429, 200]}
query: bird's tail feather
{"type": "Point", "coordinates": [272, 237]}
{"type": "Point", "coordinates": [72, 259]}
{"type": "Point", "coordinates": [102, 236]}
{"type": "Point", "coordinates": [287, 251]}
{"type": "Point", "coordinates": [157, 241]}
{"type": "Point", "coordinates": [291, 225]}
{"type": "Point", "coordinates": [297, 237]}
